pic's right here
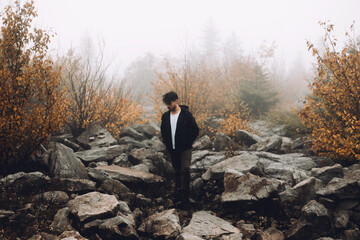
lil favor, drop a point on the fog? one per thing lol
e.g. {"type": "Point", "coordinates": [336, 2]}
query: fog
{"type": "Point", "coordinates": [130, 29]}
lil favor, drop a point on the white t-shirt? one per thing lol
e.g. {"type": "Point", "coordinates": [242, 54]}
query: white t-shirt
{"type": "Point", "coordinates": [173, 122]}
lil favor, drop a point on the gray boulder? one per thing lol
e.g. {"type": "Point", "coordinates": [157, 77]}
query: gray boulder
{"type": "Point", "coordinates": [20, 182]}
{"type": "Point", "coordinates": [122, 160]}
{"type": "Point", "coordinates": [246, 138]}
{"type": "Point", "coordinates": [342, 218]}
{"type": "Point", "coordinates": [248, 187]}
{"type": "Point", "coordinates": [156, 144]}
{"type": "Point", "coordinates": [141, 166]}
{"type": "Point", "coordinates": [347, 187]}
{"type": "Point", "coordinates": [93, 205]}
{"type": "Point", "coordinates": [223, 142]}
{"type": "Point", "coordinates": [245, 162]}
{"type": "Point", "coordinates": [160, 166]}
{"type": "Point", "coordinates": [138, 155]}
{"type": "Point", "coordinates": [97, 175]}
{"type": "Point", "coordinates": [316, 213]}
{"type": "Point", "coordinates": [149, 129]}
{"type": "Point", "coordinates": [165, 225]}
{"type": "Point", "coordinates": [290, 175]}
{"type": "Point", "coordinates": [203, 143]}
{"type": "Point", "coordinates": [207, 162]}
{"type": "Point", "coordinates": [291, 168]}
{"type": "Point", "coordinates": [149, 160]}
{"type": "Point", "coordinates": [73, 185]}
{"type": "Point", "coordinates": [314, 222]}
{"type": "Point", "coordinates": [199, 155]}
{"type": "Point", "coordinates": [64, 163]}
{"type": "Point", "coordinates": [118, 227]}
{"type": "Point", "coordinates": [52, 197]}
{"type": "Point", "coordinates": [264, 129]}
{"type": "Point", "coordinates": [301, 193]}
{"type": "Point", "coordinates": [71, 145]}
{"type": "Point", "coordinates": [286, 145]}
{"type": "Point", "coordinates": [61, 221]}
{"type": "Point", "coordinates": [115, 187]}
{"type": "Point", "coordinates": [325, 174]}
{"type": "Point", "coordinates": [205, 225]}
{"type": "Point", "coordinates": [269, 144]}
{"type": "Point", "coordinates": [130, 132]}
{"type": "Point", "coordinates": [297, 160]}
{"type": "Point", "coordinates": [131, 143]}
{"type": "Point", "coordinates": [130, 175]}
{"type": "Point", "coordinates": [188, 236]}
{"type": "Point", "coordinates": [101, 154]}
{"type": "Point", "coordinates": [121, 226]}
{"type": "Point", "coordinates": [96, 136]}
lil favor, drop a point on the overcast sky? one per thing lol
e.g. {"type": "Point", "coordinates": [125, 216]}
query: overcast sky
{"type": "Point", "coordinates": [130, 28]}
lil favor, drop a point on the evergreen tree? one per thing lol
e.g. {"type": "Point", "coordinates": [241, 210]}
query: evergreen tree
{"type": "Point", "coordinates": [257, 92]}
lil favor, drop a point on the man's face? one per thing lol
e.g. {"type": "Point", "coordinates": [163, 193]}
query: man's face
{"type": "Point", "coordinates": [172, 105]}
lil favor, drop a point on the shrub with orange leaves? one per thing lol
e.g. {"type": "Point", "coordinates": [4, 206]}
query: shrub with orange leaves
{"type": "Point", "coordinates": [31, 107]}
{"type": "Point", "coordinates": [116, 111]}
{"type": "Point", "coordinates": [93, 98]}
{"type": "Point", "coordinates": [236, 119]}
{"type": "Point", "coordinates": [332, 113]}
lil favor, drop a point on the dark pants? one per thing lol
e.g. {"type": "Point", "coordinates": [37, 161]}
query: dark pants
{"type": "Point", "coordinates": [181, 163]}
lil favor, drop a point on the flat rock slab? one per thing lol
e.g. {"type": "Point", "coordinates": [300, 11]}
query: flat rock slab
{"type": "Point", "coordinates": [101, 154]}
{"type": "Point", "coordinates": [240, 187]}
{"type": "Point", "coordinates": [245, 162]}
{"type": "Point", "coordinates": [93, 205]}
{"type": "Point", "coordinates": [204, 224]}
{"type": "Point", "coordinates": [130, 175]}
{"type": "Point", "coordinates": [164, 224]}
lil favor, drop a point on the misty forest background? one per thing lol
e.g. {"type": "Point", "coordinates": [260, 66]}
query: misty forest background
{"type": "Point", "coordinates": [43, 92]}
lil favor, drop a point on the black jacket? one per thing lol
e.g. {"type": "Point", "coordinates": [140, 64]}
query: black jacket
{"type": "Point", "coordinates": [186, 130]}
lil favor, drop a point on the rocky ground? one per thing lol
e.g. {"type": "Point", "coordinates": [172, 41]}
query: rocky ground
{"type": "Point", "coordinates": [97, 187]}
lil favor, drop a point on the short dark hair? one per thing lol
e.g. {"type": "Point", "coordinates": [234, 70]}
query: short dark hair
{"type": "Point", "coordinates": [169, 97]}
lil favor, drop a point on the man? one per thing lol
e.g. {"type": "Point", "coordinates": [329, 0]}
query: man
{"type": "Point", "coordinates": [179, 130]}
